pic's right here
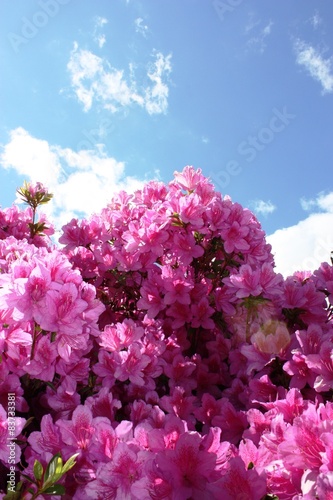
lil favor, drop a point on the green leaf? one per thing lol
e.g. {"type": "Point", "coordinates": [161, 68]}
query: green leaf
{"type": "Point", "coordinates": [38, 470]}
{"type": "Point", "coordinates": [57, 489]}
{"type": "Point", "coordinates": [70, 463]}
{"type": "Point", "coordinates": [54, 470]}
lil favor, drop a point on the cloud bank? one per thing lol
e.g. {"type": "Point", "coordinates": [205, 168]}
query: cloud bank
{"type": "Point", "coordinates": [82, 182]}
{"type": "Point", "coordinates": [307, 244]}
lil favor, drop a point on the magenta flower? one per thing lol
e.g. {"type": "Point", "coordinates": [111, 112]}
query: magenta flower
{"type": "Point", "coordinates": [202, 313]}
{"type": "Point", "coordinates": [120, 336]}
{"type": "Point", "coordinates": [302, 447]}
{"type": "Point", "coordinates": [78, 431]}
{"type": "Point", "coordinates": [234, 238]}
{"type": "Point", "coordinates": [48, 441]}
{"type": "Point", "coordinates": [239, 482]}
{"type": "Point", "coordinates": [187, 467]}
{"type": "Point", "coordinates": [42, 366]}
{"type": "Point", "coordinates": [322, 365]}
{"type": "Point", "coordinates": [130, 364]}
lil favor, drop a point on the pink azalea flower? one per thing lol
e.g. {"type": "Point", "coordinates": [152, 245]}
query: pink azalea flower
{"type": "Point", "coordinates": [181, 373]}
{"type": "Point", "coordinates": [239, 483]}
{"type": "Point", "coordinates": [121, 335]}
{"type": "Point", "coordinates": [179, 404]}
{"type": "Point", "coordinates": [232, 422]}
{"type": "Point", "coordinates": [322, 365]}
{"type": "Point", "coordinates": [302, 447]}
{"type": "Point", "coordinates": [153, 484]}
{"type": "Point", "coordinates": [324, 486]}
{"type": "Point", "coordinates": [180, 313]}
{"type": "Point", "coordinates": [187, 467]}
{"type": "Point", "coordinates": [78, 431]}
{"type": "Point", "coordinates": [177, 287]}
{"type": "Point", "coordinates": [189, 179]}
{"type": "Point", "coordinates": [246, 282]}
{"type": "Point", "coordinates": [42, 365]}
{"type": "Point", "coordinates": [48, 441]}
{"type": "Point", "coordinates": [202, 313]}
{"type": "Point", "coordinates": [116, 478]}
{"type": "Point", "coordinates": [151, 299]}
{"type": "Point", "coordinates": [185, 248]}
{"type": "Point", "coordinates": [234, 237]}
{"type": "Point", "coordinates": [130, 364]}
{"type": "Point", "coordinates": [103, 404]}
{"type": "Point", "coordinates": [65, 400]}
{"type": "Point", "coordinates": [291, 407]}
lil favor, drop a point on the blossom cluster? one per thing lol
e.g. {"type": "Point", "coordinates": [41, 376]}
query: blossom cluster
{"type": "Point", "coordinates": [156, 344]}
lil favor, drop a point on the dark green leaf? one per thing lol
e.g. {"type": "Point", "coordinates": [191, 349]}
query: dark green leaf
{"type": "Point", "coordinates": [57, 489]}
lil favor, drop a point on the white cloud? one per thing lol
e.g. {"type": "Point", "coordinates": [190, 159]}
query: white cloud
{"type": "Point", "coordinates": [263, 207]}
{"type": "Point", "coordinates": [94, 79]}
{"type": "Point", "coordinates": [307, 244]}
{"type": "Point", "coordinates": [99, 38]}
{"type": "Point", "coordinates": [140, 27]}
{"type": "Point", "coordinates": [319, 68]}
{"type": "Point", "coordinates": [82, 182]}
{"type": "Point", "coordinates": [156, 96]}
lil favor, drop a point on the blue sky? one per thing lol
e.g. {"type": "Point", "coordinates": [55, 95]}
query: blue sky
{"type": "Point", "coordinates": [101, 96]}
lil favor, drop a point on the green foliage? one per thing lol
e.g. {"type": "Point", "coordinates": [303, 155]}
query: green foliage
{"type": "Point", "coordinates": [44, 482]}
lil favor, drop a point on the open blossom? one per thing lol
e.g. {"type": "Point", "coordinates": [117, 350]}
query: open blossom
{"type": "Point", "coordinates": [121, 335]}
{"type": "Point", "coordinates": [272, 337]}
{"type": "Point", "coordinates": [187, 467]}
{"type": "Point", "coordinates": [42, 366]}
{"type": "Point", "coordinates": [130, 364]}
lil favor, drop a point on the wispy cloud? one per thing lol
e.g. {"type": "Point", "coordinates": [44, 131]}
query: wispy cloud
{"type": "Point", "coordinates": [94, 79]}
{"type": "Point", "coordinates": [263, 207]}
{"type": "Point", "coordinates": [322, 201]}
{"type": "Point", "coordinates": [140, 27]}
{"type": "Point", "coordinates": [307, 244]}
{"type": "Point", "coordinates": [99, 37]}
{"type": "Point", "coordinates": [319, 68]}
{"type": "Point", "coordinates": [257, 33]}
{"type": "Point", "coordinates": [156, 96]}
{"type": "Point", "coordinates": [83, 181]}
{"type": "Point", "coordinates": [316, 20]}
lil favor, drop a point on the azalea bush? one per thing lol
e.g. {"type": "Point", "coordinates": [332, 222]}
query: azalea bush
{"type": "Point", "coordinates": [154, 353]}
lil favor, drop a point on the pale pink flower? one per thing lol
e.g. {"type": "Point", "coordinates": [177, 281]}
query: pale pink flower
{"type": "Point", "coordinates": [324, 486]}
{"type": "Point", "coordinates": [189, 179]}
